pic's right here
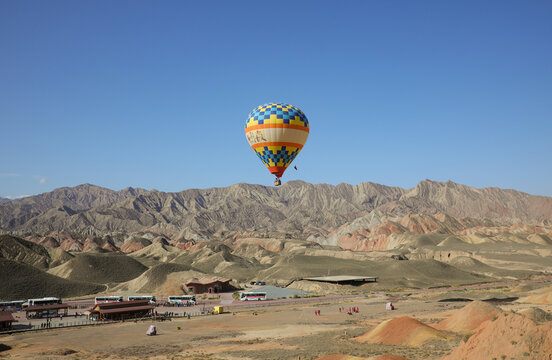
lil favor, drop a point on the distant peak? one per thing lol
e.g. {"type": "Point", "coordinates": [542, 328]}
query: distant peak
{"type": "Point", "coordinates": [87, 186]}
{"type": "Point", "coordinates": [435, 182]}
{"type": "Point", "coordinates": [296, 182]}
{"type": "Point", "coordinates": [129, 190]}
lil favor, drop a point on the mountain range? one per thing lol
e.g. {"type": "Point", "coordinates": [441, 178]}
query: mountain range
{"type": "Point", "coordinates": [77, 239]}
{"type": "Point", "coordinates": [297, 208]}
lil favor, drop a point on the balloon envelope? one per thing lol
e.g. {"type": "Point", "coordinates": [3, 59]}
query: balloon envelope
{"type": "Point", "coordinates": [277, 133]}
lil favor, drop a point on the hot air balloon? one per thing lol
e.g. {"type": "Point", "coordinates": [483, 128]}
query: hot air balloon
{"type": "Point", "coordinates": [277, 133]}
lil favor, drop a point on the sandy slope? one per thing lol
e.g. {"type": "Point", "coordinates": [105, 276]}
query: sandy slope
{"type": "Point", "coordinates": [469, 318]}
{"type": "Point", "coordinates": [21, 281]}
{"type": "Point", "coordinates": [100, 268]}
{"type": "Point", "coordinates": [509, 336]}
{"type": "Point", "coordinates": [350, 357]}
{"type": "Point", "coordinates": [402, 331]}
{"type": "Point", "coordinates": [538, 296]}
{"type": "Point", "coordinates": [161, 280]}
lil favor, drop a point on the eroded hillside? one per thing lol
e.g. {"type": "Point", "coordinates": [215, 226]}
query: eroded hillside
{"type": "Point", "coordinates": [297, 207]}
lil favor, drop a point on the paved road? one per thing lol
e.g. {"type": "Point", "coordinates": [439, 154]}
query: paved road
{"type": "Point", "coordinates": [225, 297]}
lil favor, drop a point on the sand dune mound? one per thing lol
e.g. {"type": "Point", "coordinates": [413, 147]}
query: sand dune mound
{"type": "Point", "coordinates": [174, 284]}
{"type": "Point", "coordinates": [351, 357]}
{"type": "Point", "coordinates": [252, 251]}
{"type": "Point", "coordinates": [158, 274]}
{"type": "Point", "coordinates": [420, 273]}
{"type": "Point", "coordinates": [424, 240]}
{"type": "Point", "coordinates": [402, 331]}
{"type": "Point", "coordinates": [466, 261]}
{"type": "Point", "coordinates": [539, 296]}
{"type": "Point", "coordinates": [270, 244]}
{"type": "Point", "coordinates": [523, 288]}
{"type": "Point", "coordinates": [237, 268]}
{"type": "Point", "coordinates": [297, 266]}
{"type": "Point", "coordinates": [509, 336]}
{"type": "Point", "coordinates": [161, 279]}
{"type": "Point", "coordinates": [188, 257]}
{"type": "Point", "coordinates": [27, 252]}
{"type": "Point", "coordinates": [536, 314]}
{"type": "Point", "coordinates": [540, 239]}
{"type": "Point", "coordinates": [97, 244]}
{"type": "Point", "coordinates": [469, 318]}
{"type": "Point", "coordinates": [100, 268]}
{"type": "Point", "coordinates": [23, 251]}
{"type": "Point", "coordinates": [313, 287]}
{"type": "Point", "coordinates": [218, 259]}
{"type": "Point", "coordinates": [479, 239]}
{"type": "Point", "coordinates": [135, 244]}
{"type": "Point", "coordinates": [49, 241]}
{"type": "Point", "coordinates": [58, 256]}
{"type": "Point", "coordinates": [160, 240]}
{"type": "Point", "coordinates": [21, 281]}
{"type": "Point", "coordinates": [472, 265]}
{"type": "Point", "coordinates": [158, 251]}
{"type": "Point", "coordinates": [392, 273]}
{"type": "Point", "coordinates": [341, 357]}
{"type": "Point", "coordinates": [452, 242]}
{"type": "Point", "coordinates": [475, 266]}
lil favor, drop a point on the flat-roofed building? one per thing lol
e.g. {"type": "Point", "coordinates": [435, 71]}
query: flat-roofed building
{"type": "Point", "coordinates": [211, 284]}
{"type": "Point", "coordinates": [121, 310]}
{"type": "Point", "coordinates": [344, 279]}
{"type": "Point", "coordinates": [6, 320]}
{"type": "Point", "coordinates": [52, 310]}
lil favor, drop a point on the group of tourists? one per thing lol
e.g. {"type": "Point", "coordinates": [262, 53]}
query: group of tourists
{"type": "Point", "coordinates": [350, 311]}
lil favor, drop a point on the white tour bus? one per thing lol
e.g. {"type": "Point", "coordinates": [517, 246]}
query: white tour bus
{"type": "Point", "coordinates": [107, 299]}
{"type": "Point", "coordinates": [43, 301]}
{"type": "Point", "coordinates": [11, 305]}
{"type": "Point", "coordinates": [252, 296]}
{"type": "Point", "coordinates": [151, 298]}
{"type": "Point", "coordinates": [186, 300]}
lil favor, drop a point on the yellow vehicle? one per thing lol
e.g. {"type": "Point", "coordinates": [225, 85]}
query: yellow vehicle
{"type": "Point", "coordinates": [218, 310]}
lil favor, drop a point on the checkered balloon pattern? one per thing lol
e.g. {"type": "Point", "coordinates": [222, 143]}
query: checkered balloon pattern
{"type": "Point", "coordinates": [270, 113]}
{"type": "Point", "coordinates": [277, 133]}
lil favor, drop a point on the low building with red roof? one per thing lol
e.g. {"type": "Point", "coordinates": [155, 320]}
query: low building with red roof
{"type": "Point", "coordinates": [121, 310]}
{"type": "Point", "coordinates": [50, 310]}
{"type": "Point", "coordinates": [6, 320]}
{"type": "Point", "coordinates": [210, 284]}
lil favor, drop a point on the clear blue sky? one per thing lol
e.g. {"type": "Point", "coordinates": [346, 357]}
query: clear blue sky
{"type": "Point", "coordinates": [155, 94]}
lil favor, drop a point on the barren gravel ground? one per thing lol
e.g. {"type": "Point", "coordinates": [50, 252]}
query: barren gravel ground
{"type": "Point", "coordinates": [289, 331]}
{"type": "Point", "coordinates": [282, 332]}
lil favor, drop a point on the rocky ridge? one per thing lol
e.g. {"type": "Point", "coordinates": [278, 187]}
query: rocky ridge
{"type": "Point", "coordinates": [297, 208]}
